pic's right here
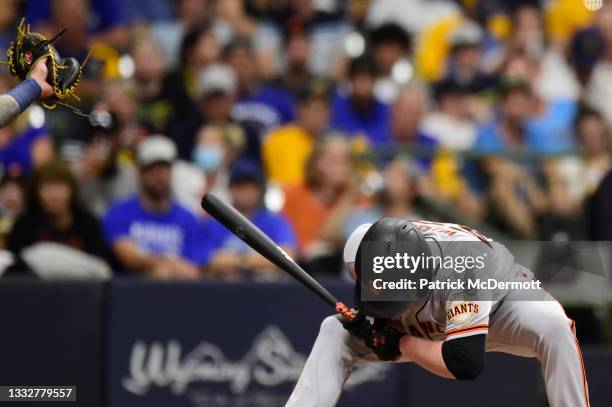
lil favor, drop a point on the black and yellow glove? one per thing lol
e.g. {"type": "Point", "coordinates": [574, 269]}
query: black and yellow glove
{"type": "Point", "coordinates": [30, 47]}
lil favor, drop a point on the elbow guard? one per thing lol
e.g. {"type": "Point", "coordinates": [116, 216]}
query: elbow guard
{"type": "Point", "coordinates": [464, 357]}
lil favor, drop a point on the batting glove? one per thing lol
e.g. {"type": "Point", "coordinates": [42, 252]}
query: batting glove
{"type": "Point", "coordinates": [377, 334]}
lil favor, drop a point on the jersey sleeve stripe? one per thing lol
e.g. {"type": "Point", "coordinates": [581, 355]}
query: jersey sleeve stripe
{"type": "Point", "coordinates": [478, 327]}
{"type": "Point", "coordinates": [585, 387]}
{"type": "Point", "coordinates": [584, 380]}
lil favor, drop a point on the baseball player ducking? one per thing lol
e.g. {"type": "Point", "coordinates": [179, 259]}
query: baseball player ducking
{"type": "Point", "coordinates": [444, 330]}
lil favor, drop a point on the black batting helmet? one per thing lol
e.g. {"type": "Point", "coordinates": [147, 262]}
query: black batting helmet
{"type": "Point", "coordinates": [398, 236]}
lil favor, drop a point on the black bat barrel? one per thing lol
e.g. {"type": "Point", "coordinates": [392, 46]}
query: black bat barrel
{"type": "Point", "coordinates": [239, 225]}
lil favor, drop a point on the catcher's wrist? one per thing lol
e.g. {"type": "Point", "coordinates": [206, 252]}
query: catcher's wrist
{"type": "Point", "coordinates": [26, 93]}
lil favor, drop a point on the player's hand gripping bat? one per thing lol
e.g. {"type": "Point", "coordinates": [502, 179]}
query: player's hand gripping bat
{"type": "Point", "coordinates": [239, 225]}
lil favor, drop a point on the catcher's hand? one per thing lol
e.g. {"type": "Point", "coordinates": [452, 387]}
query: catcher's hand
{"type": "Point", "coordinates": [25, 55]}
{"type": "Point", "coordinates": [382, 338]}
{"type": "Point", "coordinates": [39, 74]}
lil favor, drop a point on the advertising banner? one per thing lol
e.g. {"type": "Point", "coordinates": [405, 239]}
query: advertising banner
{"type": "Point", "coordinates": [223, 345]}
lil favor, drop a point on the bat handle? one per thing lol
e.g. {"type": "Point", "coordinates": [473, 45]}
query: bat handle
{"type": "Point", "coordinates": [345, 311]}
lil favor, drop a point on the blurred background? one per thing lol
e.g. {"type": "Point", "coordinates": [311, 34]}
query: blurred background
{"type": "Point", "coordinates": [311, 117]}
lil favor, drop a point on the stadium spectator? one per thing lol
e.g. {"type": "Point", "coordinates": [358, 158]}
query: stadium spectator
{"type": "Point", "coordinates": [258, 106]}
{"type": "Point", "coordinates": [53, 214]}
{"type": "Point", "coordinates": [105, 169]}
{"type": "Point", "coordinates": [450, 123]}
{"type": "Point", "coordinates": [155, 110]}
{"type": "Point", "coordinates": [599, 220]}
{"type": "Point", "coordinates": [528, 35]}
{"type": "Point", "coordinates": [594, 137]}
{"type": "Point", "coordinates": [573, 180]}
{"type": "Point", "coordinates": [102, 19]}
{"type": "Point", "coordinates": [10, 13]}
{"type": "Point", "coordinates": [552, 79]}
{"type": "Point", "coordinates": [466, 64]}
{"type": "Point", "coordinates": [150, 233]}
{"type": "Point", "coordinates": [317, 207]}
{"type": "Point", "coordinates": [552, 115]}
{"type": "Point", "coordinates": [397, 198]}
{"type": "Point", "coordinates": [217, 88]}
{"type": "Point", "coordinates": [78, 15]}
{"type": "Point", "coordinates": [286, 149]}
{"type": "Point", "coordinates": [296, 72]}
{"type": "Point", "coordinates": [390, 43]}
{"type": "Point", "coordinates": [358, 112]}
{"type": "Point", "coordinates": [526, 122]}
{"type": "Point", "coordinates": [199, 48]}
{"type": "Point", "coordinates": [208, 171]}
{"type": "Point", "coordinates": [599, 88]}
{"type": "Point", "coordinates": [407, 114]}
{"type": "Point", "coordinates": [582, 174]}
{"type": "Point", "coordinates": [516, 198]}
{"type": "Point", "coordinates": [24, 148]}
{"type": "Point", "coordinates": [12, 202]}
{"type": "Point", "coordinates": [227, 256]}
{"type": "Point", "coordinates": [592, 178]}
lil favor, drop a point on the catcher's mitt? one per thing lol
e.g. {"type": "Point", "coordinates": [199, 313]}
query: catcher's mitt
{"type": "Point", "coordinates": [30, 47]}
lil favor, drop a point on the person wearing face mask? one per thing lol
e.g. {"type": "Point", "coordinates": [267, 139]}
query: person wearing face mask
{"type": "Point", "coordinates": [215, 148]}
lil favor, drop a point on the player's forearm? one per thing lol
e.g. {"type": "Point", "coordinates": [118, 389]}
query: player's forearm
{"type": "Point", "coordinates": [17, 100]}
{"type": "Point", "coordinates": [9, 109]}
{"type": "Point", "coordinates": [427, 354]}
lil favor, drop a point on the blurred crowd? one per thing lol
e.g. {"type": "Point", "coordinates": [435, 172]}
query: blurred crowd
{"type": "Point", "coordinates": [311, 117]}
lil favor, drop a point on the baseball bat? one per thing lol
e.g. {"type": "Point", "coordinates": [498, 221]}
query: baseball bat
{"type": "Point", "coordinates": [239, 225]}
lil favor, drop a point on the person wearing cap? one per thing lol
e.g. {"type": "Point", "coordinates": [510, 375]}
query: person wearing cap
{"type": "Point", "coordinates": [465, 58]}
{"type": "Point", "coordinates": [467, 62]}
{"type": "Point", "coordinates": [217, 89]}
{"type": "Point", "coordinates": [358, 112]}
{"type": "Point", "coordinates": [150, 233]}
{"type": "Point", "coordinates": [286, 149]}
{"type": "Point", "coordinates": [226, 255]}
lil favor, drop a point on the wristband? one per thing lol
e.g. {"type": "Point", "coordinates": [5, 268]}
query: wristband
{"type": "Point", "coordinates": [26, 93]}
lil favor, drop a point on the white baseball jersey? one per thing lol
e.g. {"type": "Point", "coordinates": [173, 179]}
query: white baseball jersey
{"type": "Point", "coordinates": [445, 315]}
{"type": "Point", "coordinates": [524, 328]}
